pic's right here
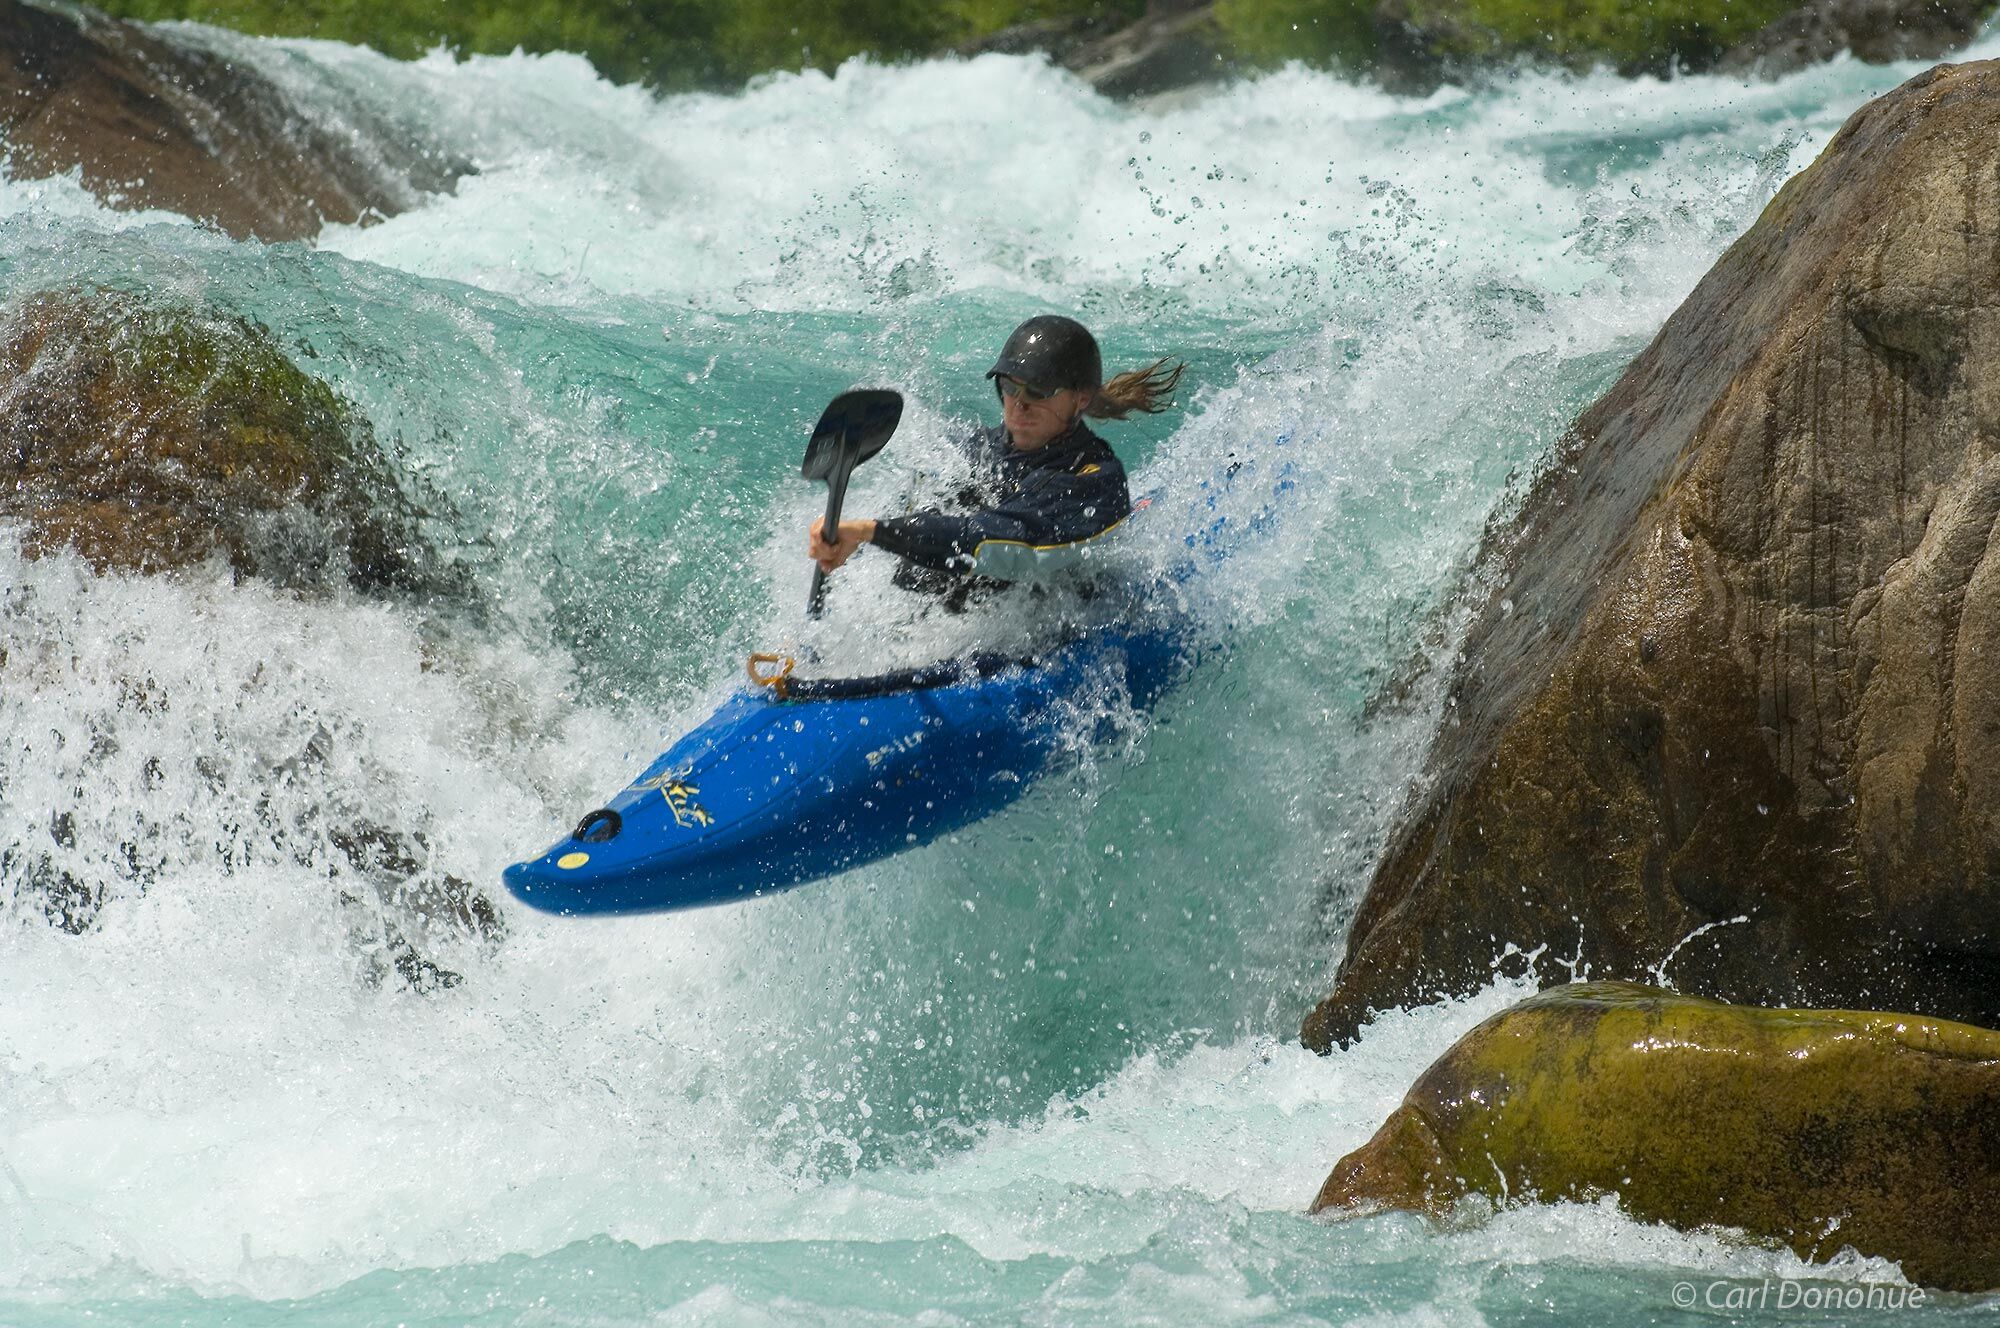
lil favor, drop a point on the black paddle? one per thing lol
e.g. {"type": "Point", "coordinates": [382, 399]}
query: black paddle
{"type": "Point", "coordinates": [856, 426]}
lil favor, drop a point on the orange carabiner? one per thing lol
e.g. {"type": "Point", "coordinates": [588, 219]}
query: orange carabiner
{"type": "Point", "coordinates": [777, 674]}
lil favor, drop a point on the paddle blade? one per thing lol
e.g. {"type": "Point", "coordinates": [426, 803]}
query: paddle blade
{"type": "Point", "coordinates": [856, 426]}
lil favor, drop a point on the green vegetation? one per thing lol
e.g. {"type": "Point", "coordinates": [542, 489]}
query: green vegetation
{"type": "Point", "coordinates": [678, 44]}
{"type": "Point", "coordinates": [1340, 33]}
{"type": "Point", "coordinates": [1654, 34]}
{"type": "Point", "coordinates": [668, 43]}
{"type": "Point", "coordinates": [1651, 35]}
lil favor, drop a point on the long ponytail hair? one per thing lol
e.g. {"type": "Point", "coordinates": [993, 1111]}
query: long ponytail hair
{"type": "Point", "coordinates": [1149, 390]}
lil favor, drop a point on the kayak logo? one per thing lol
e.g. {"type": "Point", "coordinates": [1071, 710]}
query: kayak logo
{"type": "Point", "coordinates": [908, 743]}
{"type": "Point", "coordinates": [680, 800]}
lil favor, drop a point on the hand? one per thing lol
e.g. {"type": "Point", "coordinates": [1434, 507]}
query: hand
{"type": "Point", "coordinates": [830, 554]}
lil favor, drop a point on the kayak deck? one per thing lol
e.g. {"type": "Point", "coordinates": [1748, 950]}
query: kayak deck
{"type": "Point", "coordinates": [771, 792]}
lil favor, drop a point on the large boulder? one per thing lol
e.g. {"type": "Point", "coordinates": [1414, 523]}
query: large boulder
{"type": "Point", "coordinates": [151, 435]}
{"type": "Point", "coordinates": [1732, 707]}
{"type": "Point", "coordinates": [1820, 1129]}
{"type": "Point", "coordinates": [155, 119]}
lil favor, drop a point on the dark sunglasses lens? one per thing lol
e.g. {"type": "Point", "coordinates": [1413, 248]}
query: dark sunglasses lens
{"type": "Point", "coordinates": [1014, 387]}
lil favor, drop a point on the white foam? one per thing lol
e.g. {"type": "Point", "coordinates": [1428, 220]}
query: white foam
{"type": "Point", "coordinates": [1004, 174]}
{"type": "Point", "coordinates": [214, 1089]}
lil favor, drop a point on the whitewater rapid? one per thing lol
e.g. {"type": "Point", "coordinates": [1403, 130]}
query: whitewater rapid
{"type": "Point", "coordinates": [1045, 1071]}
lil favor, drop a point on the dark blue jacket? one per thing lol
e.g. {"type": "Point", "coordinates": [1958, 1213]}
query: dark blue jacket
{"type": "Point", "coordinates": [1028, 509]}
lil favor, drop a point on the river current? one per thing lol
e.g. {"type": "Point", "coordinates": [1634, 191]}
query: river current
{"type": "Point", "coordinates": [1043, 1072]}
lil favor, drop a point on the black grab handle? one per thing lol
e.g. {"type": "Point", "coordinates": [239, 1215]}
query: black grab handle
{"type": "Point", "coordinates": [599, 827]}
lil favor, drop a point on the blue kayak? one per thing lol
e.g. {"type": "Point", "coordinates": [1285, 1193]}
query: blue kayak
{"type": "Point", "coordinates": [781, 786]}
{"type": "Point", "coordinates": [790, 783]}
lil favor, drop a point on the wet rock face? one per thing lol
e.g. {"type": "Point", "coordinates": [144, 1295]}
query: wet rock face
{"type": "Point", "coordinates": [1175, 44]}
{"type": "Point", "coordinates": [1818, 1129]}
{"type": "Point", "coordinates": [158, 121]}
{"type": "Point", "coordinates": [1733, 707]}
{"type": "Point", "coordinates": [1875, 31]}
{"type": "Point", "coordinates": [149, 436]}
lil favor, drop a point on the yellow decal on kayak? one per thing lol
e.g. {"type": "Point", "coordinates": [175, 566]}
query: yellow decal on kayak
{"type": "Point", "coordinates": [571, 861]}
{"type": "Point", "coordinates": [680, 800]}
{"type": "Point", "coordinates": [907, 743]}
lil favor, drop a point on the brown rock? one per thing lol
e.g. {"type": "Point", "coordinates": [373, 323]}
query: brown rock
{"type": "Point", "coordinates": [1876, 31]}
{"type": "Point", "coordinates": [1056, 37]}
{"type": "Point", "coordinates": [1740, 668]}
{"type": "Point", "coordinates": [157, 121]}
{"type": "Point", "coordinates": [1819, 1129]}
{"type": "Point", "coordinates": [1175, 44]}
{"type": "Point", "coordinates": [149, 436]}
{"type": "Point", "coordinates": [1422, 44]}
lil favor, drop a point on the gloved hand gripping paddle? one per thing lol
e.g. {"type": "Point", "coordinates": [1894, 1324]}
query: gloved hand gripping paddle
{"type": "Point", "coordinates": [856, 426]}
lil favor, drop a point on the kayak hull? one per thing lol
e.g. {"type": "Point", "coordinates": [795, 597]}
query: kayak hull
{"type": "Point", "coordinates": [770, 793]}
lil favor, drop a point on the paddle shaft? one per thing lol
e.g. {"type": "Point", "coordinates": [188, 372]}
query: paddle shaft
{"type": "Point", "coordinates": [836, 491]}
{"type": "Point", "coordinates": [855, 426]}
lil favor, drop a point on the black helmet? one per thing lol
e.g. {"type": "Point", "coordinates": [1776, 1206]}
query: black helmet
{"type": "Point", "coordinates": [1050, 352]}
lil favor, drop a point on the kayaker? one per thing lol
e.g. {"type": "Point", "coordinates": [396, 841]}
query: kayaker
{"type": "Point", "coordinates": [1043, 486]}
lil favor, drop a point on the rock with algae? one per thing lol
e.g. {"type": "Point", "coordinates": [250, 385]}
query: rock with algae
{"type": "Point", "coordinates": [1818, 1129]}
{"type": "Point", "coordinates": [150, 435]}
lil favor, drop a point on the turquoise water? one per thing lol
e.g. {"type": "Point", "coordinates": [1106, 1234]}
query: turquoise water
{"type": "Point", "coordinates": [1042, 1072]}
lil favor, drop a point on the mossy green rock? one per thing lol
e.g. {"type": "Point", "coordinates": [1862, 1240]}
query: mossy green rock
{"type": "Point", "coordinates": [151, 436]}
{"type": "Point", "coordinates": [1730, 703]}
{"type": "Point", "coordinates": [1818, 1129]}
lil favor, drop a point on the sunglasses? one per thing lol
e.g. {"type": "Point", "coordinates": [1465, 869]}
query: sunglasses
{"type": "Point", "coordinates": [1014, 387]}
